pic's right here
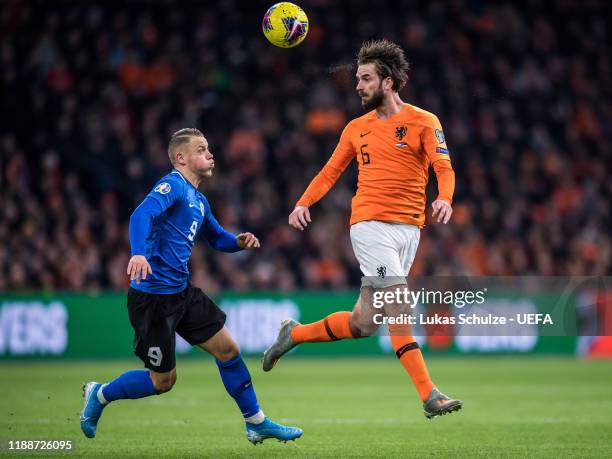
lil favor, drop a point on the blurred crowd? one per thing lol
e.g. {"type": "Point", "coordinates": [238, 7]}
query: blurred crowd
{"type": "Point", "coordinates": [92, 92]}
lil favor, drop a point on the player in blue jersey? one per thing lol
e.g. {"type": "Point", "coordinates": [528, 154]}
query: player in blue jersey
{"type": "Point", "coordinates": [162, 302]}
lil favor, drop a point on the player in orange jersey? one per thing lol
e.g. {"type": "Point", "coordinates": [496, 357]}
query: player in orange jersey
{"type": "Point", "coordinates": [394, 144]}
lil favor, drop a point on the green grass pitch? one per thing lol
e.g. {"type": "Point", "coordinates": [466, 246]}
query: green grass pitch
{"type": "Point", "coordinates": [513, 407]}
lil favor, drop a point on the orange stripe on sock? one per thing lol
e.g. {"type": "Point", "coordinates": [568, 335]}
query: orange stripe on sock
{"type": "Point", "coordinates": [411, 358]}
{"type": "Point", "coordinates": [333, 327]}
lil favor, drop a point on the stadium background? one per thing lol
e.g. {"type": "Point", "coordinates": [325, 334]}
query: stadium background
{"type": "Point", "coordinates": [91, 92]}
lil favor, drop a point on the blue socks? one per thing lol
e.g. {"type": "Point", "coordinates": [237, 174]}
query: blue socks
{"type": "Point", "coordinates": [237, 382]}
{"type": "Point", "coordinates": [131, 384]}
{"type": "Point", "coordinates": [234, 374]}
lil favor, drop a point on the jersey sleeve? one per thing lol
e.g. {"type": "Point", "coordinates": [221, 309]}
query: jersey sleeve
{"type": "Point", "coordinates": [434, 144]}
{"type": "Point", "coordinates": [215, 235]}
{"type": "Point", "coordinates": [327, 177]}
{"type": "Point", "coordinates": [433, 140]}
{"type": "Point", "coordinates": [167, 191]}
{"type": "Point", "coordinates": [162, 197]}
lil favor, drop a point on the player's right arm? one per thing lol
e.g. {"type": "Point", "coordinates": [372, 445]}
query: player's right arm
{"type": "Point", "coordinates": [163, 196]}
{"type": "Point", "coordinates": [323, 181]}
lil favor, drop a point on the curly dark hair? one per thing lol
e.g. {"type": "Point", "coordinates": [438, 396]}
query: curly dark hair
{"type": "Point", "coordinates": [389, 60]}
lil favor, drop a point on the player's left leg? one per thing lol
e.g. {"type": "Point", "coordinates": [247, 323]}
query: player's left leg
{"type": "Point", "coordinates": [154, 344]}
{"type": "Point", "coordinates": [408, 352]}
{"type": "Point", "coordinates": [406, 348]}
{"type": "Point", "coordinates": [132, 384]}
{"type": "Point", "coordinates": [237, 381]}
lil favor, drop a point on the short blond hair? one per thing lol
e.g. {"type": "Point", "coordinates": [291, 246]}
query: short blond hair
{"type": "Point", "coordinates": [179, 138]}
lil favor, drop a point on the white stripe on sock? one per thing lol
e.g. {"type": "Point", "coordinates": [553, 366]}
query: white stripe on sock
{"type": "Point", "coordinates": [257, 418]}
{"type": "Point", "coordinates": [100, 395]}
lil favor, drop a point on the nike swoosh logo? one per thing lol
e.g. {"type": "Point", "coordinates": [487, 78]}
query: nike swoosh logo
{"type": "Point", "coordinates": [363, 134]}
{"type": "Point", "coordinates": [192, 205]}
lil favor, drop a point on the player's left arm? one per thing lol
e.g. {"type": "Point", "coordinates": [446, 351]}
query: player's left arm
{"type": "Point", "coordinates": [435, 146]}
{"type": "Point", "coordinates": [221, 239]}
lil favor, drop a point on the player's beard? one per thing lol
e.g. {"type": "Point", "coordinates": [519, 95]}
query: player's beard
{"type": "Point", "coordinates": [375, 100]}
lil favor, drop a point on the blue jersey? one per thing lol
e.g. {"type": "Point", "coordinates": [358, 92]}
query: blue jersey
{"type": "Point", "coordinates": [164, 228]}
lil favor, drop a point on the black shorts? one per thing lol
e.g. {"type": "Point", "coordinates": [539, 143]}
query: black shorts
{"type": "Point", "coordinates": [156, 317]}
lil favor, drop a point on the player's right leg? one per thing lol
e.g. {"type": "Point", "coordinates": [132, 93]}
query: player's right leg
{"type": "Point", "coordinates": [334, 327]}
{"type": "Point", "coordinates": [237, 381]}
{"type": "Point", "coordinates": [154, 344]}
{"type": "Point", "coordinates": [371, 249]}
{"type": "Point", "coordinates": [203, 325]}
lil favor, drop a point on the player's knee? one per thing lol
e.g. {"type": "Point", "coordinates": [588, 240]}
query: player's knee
{"type": "Point", "coordinates": [359, 329]}
{"type": "Point", "coordinates": [353, 321]}
{"type": "Point", "coordinates": [164, 383]}
{"type": "Point", "coordinates": [366, 330]}
{"type": "Point", "coordinates": [164, 386]}
{"type": "Point", "coordinates": [227, 351]}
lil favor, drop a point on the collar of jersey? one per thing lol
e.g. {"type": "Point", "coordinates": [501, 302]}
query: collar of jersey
{"type": "Point", "coordinates": [393, 117]}
{"type": "Point", "coordinates": [184, 179]}
{"type": "Point", "coordinates": [180, 175]}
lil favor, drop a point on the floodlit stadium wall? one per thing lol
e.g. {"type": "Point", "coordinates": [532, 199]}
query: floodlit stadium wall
{"type": "Point", "coordinates": [63, 326]}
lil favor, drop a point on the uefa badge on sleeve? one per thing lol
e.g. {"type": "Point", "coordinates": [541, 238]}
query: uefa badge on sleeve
{"type": "Point", "coordinates": [163, 188]}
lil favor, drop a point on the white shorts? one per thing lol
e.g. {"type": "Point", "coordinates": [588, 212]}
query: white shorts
{"type": "Point", "coordinates": [385, 251]}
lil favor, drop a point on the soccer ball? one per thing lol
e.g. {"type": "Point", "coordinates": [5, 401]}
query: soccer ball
{"type": "Point", "coordinates": [285, 25]}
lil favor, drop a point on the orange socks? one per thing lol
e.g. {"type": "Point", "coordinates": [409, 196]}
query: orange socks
{"type": "Point", "coordinates": [409, 355]}
{"type": "Point", "coordinates": [334, 327]}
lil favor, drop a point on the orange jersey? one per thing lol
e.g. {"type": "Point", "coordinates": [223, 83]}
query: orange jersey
{"type": "Point", "coordinates": [393, 156]}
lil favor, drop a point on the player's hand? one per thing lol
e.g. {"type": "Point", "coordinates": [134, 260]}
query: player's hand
{"type": "Point", "coordinates": [442, 210]}
{"type": "Point", "coordinates": [300, 217]}
{"type": "Point", "coordinates": [247, 241]}
{"type": "Point", "coordinates": [138, 267]}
